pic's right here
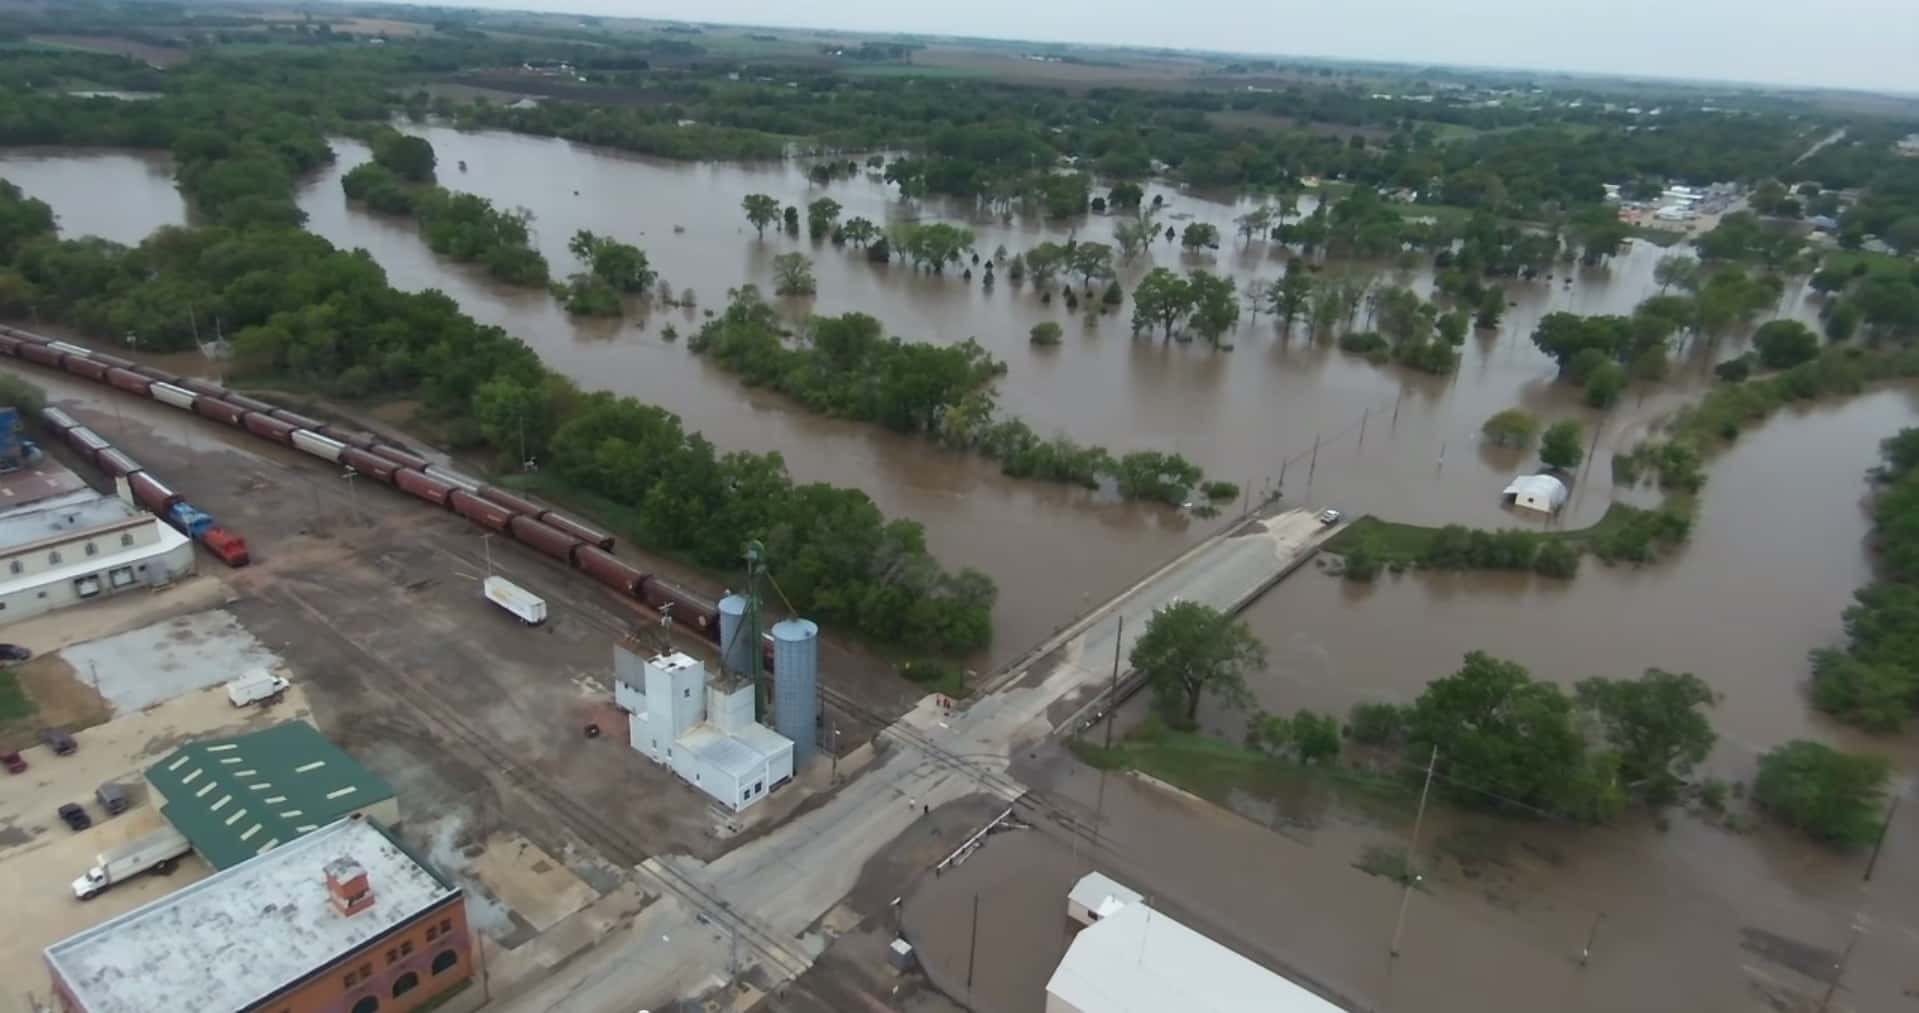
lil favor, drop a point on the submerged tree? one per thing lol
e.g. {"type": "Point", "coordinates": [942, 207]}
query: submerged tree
{"type": "Point", "coordinates": [761, 211]}
{"type": "Point", "coordinates": [1189, 651]}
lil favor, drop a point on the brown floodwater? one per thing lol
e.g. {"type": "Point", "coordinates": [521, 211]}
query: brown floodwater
{"type": "Point", "coordinates": [1338, 430]}
{"type": "Point", "coordinates": [122, 195]}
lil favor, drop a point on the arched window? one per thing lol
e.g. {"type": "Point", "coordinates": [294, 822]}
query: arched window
{"type": "Point", "coordinates": [405, 983]}
{"type": "Point", "coordinates": [367, 1004]}
{"type": "Point", "coordinates": [444, 960]}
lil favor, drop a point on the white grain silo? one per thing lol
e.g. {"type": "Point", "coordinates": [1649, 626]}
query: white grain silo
{"type": "Point", "coordinates": [736, 644]}
{"type": "Point", "coordinates": [796, 685]}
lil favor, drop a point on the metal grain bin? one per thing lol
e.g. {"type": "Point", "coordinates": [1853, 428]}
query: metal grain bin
{"type": "Point", "coordinates": [736, 644]}
{"type": "Point", "coordinates": [796, 685]}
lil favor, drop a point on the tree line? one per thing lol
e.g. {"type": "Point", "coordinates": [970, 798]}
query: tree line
{"type": "Point", "coordinates": [1497, 738]}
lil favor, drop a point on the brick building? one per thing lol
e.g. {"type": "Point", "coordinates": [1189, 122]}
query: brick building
{"type": "Point", "coordinates": [340, 920]}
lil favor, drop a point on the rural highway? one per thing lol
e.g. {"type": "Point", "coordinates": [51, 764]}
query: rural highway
{"type": "Point", "coordinates": [761, 904]}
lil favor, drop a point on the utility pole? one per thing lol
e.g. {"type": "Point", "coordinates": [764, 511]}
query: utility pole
{"type": "Point", "coordinates": [1838, 970]}
{"type": "Point", "coordinates": [1591, 935]}
{"type": "Point", "coordinates": [1881, 842]}
{"type": "Point", "coordinates": [972, 950]}
{"type": "Point", "coordinates": [1412, 851]}
{"type": "Point", "coordinates": [1313, 465]}
{"type": "Point", "coordinates": [486, 542]}
{"type": "Point", "coordinates": [1112, 705]}
{"type": "Point", "coordinates": [1363, 416]}
{"type": "Point", "coordinates": [353, 495]}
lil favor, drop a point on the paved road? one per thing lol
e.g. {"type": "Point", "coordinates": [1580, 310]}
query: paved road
{"type": "Point", "coordinates": [772, 892]}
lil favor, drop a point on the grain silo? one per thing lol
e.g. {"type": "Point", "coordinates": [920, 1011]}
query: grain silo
{"type": "Point", "coordinates": [736, 644]}
{"type": "Point", "coordinates": [796, 685]}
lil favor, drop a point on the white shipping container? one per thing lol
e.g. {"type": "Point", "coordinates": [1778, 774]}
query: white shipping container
{"type": "Point", "coordinates": [169, 394]}
{"type": "Point", "coordinates": [71, 349]}
{"type": "Point", "coordinates": [90, 438]}
{"type": "Point", "coordinates": [531, 608]}
{"type": "Point", "coordinates": [317, 445]}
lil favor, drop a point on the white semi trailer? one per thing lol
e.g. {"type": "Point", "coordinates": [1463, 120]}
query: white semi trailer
{"type": "Point", "coordinates": [155, 852]}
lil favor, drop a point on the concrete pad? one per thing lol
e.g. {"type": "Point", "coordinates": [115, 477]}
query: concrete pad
{"type": "Point", "coordinates": [142, 667]}
{"type": "Point", "coordinates": [529, 881]}
{"type": "Point", "coordinates": [103, 618]}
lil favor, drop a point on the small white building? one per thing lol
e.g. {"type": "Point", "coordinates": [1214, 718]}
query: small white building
{"type": "Point", "coordinates": [1543, 493]}
{"type": "Point", "coordinates": [1095, 896]}
{"type": "Point", "coordinates": [1137, 959]}
{"type": "Point", "coordinates": [702, 730]}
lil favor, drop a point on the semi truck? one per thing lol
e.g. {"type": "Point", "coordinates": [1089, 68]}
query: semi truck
{"type": "Point", "coordinates": [529, 607]}
{"type": "Point", "coordinates": [157, 852]}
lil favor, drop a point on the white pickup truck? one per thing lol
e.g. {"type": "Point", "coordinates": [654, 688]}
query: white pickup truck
{"type": "Point", "coordinates": [529, 607]}
{"type": "Point", "coordinates": [256, 687]}
{"type": "Point", "coordinates": [155, 852]}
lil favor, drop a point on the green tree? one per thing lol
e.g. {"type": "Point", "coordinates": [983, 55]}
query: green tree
{"type": "Point", "coordinates": [1782, 344]}
{"type": "Point", "coordinates": [1315, 736]}
{"type": "Point", "coordinates": [1215, 304]}
{"type": "Point", "coordinates": [1189, 651]}
{"type": "Point", "coordinates": [1162, 298]}
{"type": "Point", "coordinates": [1676, 269]}
{"type": "Point", "coordinates": [1132, 235]}
{"type": "Point", "coordinates": [1376, 724]}
{"type": "Point", "coordinates": [1043, 261]}
{"type": "Point", "coordinates": [1092, 262]}
{"type": "Point", "coordinates": [1288, 297]}
{"type": "Point", "coordinates": [1254, 223]}
{"type": "Point", "coordinates": [1199, 236]}
{"type": "Point", "coordinates": [620, 265]}
{"type": "Point", "coordinates": [1604, 383]}
{"type": "Point", "coordinates": [933, 245]}
{"type": "Point", "coordinates": [821, 216]}
{"type": "Point", "coordinates": [1878, 697]}
{"type": "Point", "coordinates": [1563, 446]}
{"type": "Point", "coordinates": [1046, 332]}
{"type": "Point", "coordinates": [1511, 428]}
{"type": "Point", "coordinates": [793, 275]}
{"type": "Point", "coordinates": [410, 158]}
{"type": "Point", "coordinates": [1492, 306]}
{"type": "Point", "coordinates": [761, 211]}
{"type": "Point", "coordinates": [791, 219]}
{"type": "Point", "coordinates": [1500, 735]}
{"type": "Point", "coordinates": [1833, 796]}
{"type": "Point", "coordinates": [860, 231]}
{"type": "Point", "coordinates": [1655, 724]}
{"type": "Point", "coordinates": [1125, 195]}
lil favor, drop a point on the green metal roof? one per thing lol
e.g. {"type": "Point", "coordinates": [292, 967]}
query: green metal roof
{"type": "Point", "coordinates": [240, 796]}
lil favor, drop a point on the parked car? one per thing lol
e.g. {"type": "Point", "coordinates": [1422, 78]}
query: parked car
{"type": "Point", "coordinates": [14, 652]}
{"type": "Point", "coordinates": [59, 741]}
{"type": "Point", "coordinates": [1330, 517]}
{"type": "Point", "coordinates": [112, 797]}
{"type": "Point", "coordinates": [15, 765]}
{"type": "Point", "coordinates": [75, 816]}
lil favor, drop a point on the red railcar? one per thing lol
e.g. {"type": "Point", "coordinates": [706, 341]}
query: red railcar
{"type": "Point", "coordinates": [126, 379]}
{"type": "Point", "coordinates": [213, 408]}
{"type": "Point", "coordinates": [491, 516]}
{"type": "Point", "coordinates": [115, 361]}
{"type": "Point", "coordinates": [42, 354]}
{"type": "Point", "coordinates": [514, 503]}
{"type": "Point", "coordinates": [350, 437]}
{"type": "Point", "coordinates": [89, 368]}
{"type": "Point", "coordinates": [401, 458]}
{"type": "Point", "coordinates": [297, 420]}
{"type": "Point", "coordinates": [116, 463]}
{"type": "Point", "coordinates": [252, 404]}
{"type": "Point", "coordinates": [688, 612]}
{"type": "Point", "coordinates": [605, 568]}
{"type": "Point", "coordinates": [369, 464]}
{"type": "Point", "coordinates": [269, 427]}
{"type": "Point", "coordinates": [585, 533]}
{"type": "Point", "coordinates": [151, 493]}
{"type": "Point", "coordinates": [416, 484]}
{"type": "Point", "coordinates": [199, 386]}
{"type": "Point", "coordinates": [547, 539]}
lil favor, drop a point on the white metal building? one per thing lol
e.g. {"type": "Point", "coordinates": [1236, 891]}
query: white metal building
{"type": "Point", "coordinates": [1543, 493]}
{"type": "Point", "coordinates": [1137, 959]}
{"type": "Point", "coordinates": [1095, 896]}
{"type": "Point", "coordinates": [74, 544]}
{"type": "Point", "coordinates": [704, 731]}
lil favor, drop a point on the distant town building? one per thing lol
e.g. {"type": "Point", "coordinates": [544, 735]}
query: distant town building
{"type": "Point", "coordinates": [703, 730]}
{"type": "Point", "coordinates": [62, 543]}
{"type": "Point", "coordinates": [342, 919]}
{"type": "Point", "coordinates": [244, 795]}
{"type": "Point", "coordinates": [1133, 958]}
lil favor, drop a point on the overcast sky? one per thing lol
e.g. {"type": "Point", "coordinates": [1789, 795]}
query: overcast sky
{"type": "Point", "coordinates": [1850, 43]}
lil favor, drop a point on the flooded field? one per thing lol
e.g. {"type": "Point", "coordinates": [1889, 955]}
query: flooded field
{"type": "Point", "coordinates": [1398, 443]}
{"type": "Point", "coordinates": [112, 194]}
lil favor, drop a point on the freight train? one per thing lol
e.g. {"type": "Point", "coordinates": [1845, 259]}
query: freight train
{"type": "Point", "coordinates": [147, 490]}
{"type": "Point", "coordinates": [577, 544]}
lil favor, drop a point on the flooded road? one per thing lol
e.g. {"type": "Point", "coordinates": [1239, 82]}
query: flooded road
{"type": "Point", "coordinates": [1338, 430]}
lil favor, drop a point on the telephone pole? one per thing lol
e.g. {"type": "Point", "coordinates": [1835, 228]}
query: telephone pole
{"type": "Point", "coordinates": [1412, 851]}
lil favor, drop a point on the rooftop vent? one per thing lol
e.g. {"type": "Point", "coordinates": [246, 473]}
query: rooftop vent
{"type": "Point", "coordinates": [347, 885]}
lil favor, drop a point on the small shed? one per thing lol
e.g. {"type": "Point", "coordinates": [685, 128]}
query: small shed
{"type": "Point", "coordinates": [1543, 493]}
{"type": "Point", "coordinates": [1095, 896]}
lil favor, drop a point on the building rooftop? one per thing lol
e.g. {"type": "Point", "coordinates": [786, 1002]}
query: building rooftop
{"type": "Point", "coordinates": [238, 797]}
{"type": "Point", "coordinates": [244, 934]}
{"type": "Point", "coordinates": [61, 516]}
{"type": "Point", "coordinates": [1100, 895]}
{"type": "Point", "coordinates": [1139, 959]}
{"type": "Point", "coordinates": [737, 754]}
{"type": "Point", "coordinates": [40, 481]}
